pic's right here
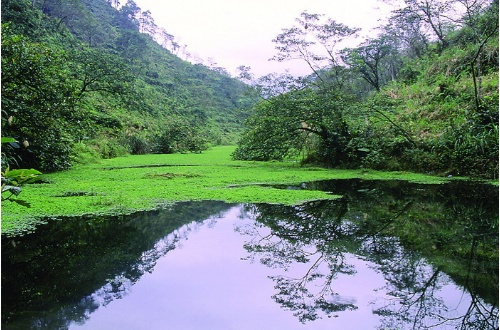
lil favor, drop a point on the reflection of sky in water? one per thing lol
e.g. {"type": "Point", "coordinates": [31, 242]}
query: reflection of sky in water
{"type": "Point", "coordinates": [207, 283]}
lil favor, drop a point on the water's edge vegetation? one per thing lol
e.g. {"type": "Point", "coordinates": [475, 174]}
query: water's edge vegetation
{"type": "Point", "coordinates": [125, 185]}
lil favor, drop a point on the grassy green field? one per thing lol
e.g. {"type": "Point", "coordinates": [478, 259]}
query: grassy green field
{"type": "Point", "coordinates": [127, 184]}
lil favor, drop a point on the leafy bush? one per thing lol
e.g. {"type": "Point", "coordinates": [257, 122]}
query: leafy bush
{"type": "Point", "coordinates": [83, 154]}
{"type": "Point", "coordinates": [137, 145]}
{"type": "Point", "coordinates": [12, 180]}
{"type": "Point", "coordinates": [38, 97]}
{"type": "Point", "coordinates": [180, 136]}
{"type": "Point", "coordinates": [108, 147]}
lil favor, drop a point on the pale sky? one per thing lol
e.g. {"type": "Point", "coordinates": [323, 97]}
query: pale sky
{"type": "Point", "coordinates": [240, 32]}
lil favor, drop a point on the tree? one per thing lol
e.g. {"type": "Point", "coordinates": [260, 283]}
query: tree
{"type": "Point", "coordinates": [405, 29]}
{"type": "Point", "coordinates": [114, 3]}
{"type": "Point", "coordinates": [26, 18]}
{"type": "Point", "coordinates": [38, 93]}
{"type": "Point", "coordinates": [130, 15]}
{"type": "Point", "coordinates": [98, 71]}
{"type": "Point", "coordinates": [165, 39]}
{"type": "Point", "coordinates": [132, 47]}
{"type": "Point", "coordinates": [147, 23]}
{"type": "Point", "coordinates": [313, 42]}
{"type": "Point", "coordinates": [368, 58]}
{"type": "Point", "coordinates": [436, 15]}
{"type": "Point", "coordinates": [481, 23]}
{"type": "Point", "coordinates": [63, 11]}
{"type": "Point", "coordinates": [244, 74]}
{"type": "Point", "coordinates": [305, 113]}
{"type": "Point", "coordinates": [180, 136]}
{"type": "Point", "coordinates": [302, 121]}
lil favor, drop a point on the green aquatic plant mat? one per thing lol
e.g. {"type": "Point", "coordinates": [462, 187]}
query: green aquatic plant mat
{"type": "Point", "coordinates": [143, 182]}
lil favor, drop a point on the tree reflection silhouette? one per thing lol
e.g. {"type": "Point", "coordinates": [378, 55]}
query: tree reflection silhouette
{"type": "Point", "coordinates": [420, 239]}
{"type": "Point", "coordinates": [310, 233]}
{"type": "Point", "coordinates": [381, 229]}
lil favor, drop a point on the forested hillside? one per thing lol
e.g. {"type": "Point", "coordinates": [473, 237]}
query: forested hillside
{"type": "Point", "coordinates": [82, 79]}
{"type": "Point", "coordinates": [88, 79]}
{"type": "Point", "coordinates": [422, 95]}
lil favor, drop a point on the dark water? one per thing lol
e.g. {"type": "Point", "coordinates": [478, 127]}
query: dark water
{"type": "Point", "coordinates": [389, 255]}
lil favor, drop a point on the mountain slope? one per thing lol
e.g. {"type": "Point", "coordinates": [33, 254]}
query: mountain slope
{"type": "Point", "coordinates": [125, 92]}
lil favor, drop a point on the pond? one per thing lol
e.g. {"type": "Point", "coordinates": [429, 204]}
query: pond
{"type": "Point", "coordinates": [388, 255]}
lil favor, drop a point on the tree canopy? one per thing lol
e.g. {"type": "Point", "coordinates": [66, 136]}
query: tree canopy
{"type": "Point", "coordinates": [92, 78]}
{"type": "Point", "coordinates": [422, 95]}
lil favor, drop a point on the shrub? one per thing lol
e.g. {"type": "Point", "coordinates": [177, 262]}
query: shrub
{"type": "Point", "coordinates": [108, 147]}
{"type": "Point", "coordinates": [137, 145]}
{"type": "Point", "coordinates": [83, 154]}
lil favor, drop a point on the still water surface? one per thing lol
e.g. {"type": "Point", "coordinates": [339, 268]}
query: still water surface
{"type": "Point", "coordinates": [348, 264]}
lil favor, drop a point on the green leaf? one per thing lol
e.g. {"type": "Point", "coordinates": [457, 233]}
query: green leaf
{"type": "Point", "coordinates": [22, 173]}
{"type": "Point", "coordinates": [8, 139]}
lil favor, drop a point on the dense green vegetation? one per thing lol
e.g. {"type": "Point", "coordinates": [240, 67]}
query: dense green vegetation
{"type": "Point", "coordinates": [421, 96]}
{"type": "Point", "coordinates": [124, 185]}
{"type": "Point", "coordinates": [89, 80]}
{"type": "Point", "coordinates": [83, 80]}
{"type": "Point", "coordinates": [92, 79]}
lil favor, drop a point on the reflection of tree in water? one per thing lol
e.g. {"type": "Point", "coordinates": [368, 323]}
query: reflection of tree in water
{"type": "Point", "coordinates": [68, 269]}
{"type": "Point", "coordinates": [307, 234]}
{"type": "Point", "coordinates": [321, 233]}
{"type": "Point", "coordinates": [416, 284]}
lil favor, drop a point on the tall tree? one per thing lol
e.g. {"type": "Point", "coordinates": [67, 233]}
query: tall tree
{"type": "Point", "coordinates": [368, 60]}
{"type": "Point", "coordinates": [130, 15]}
{"type": "Point", "coordinates": [307, 121]}
{"type": "Point", "coordinates": [480, 20]}
{"type": "Point", "coordinates": [147, 23]}
{"type": "Point", "coordinates": [38, 94]}
{"type": "Point", "coordinates": [306, 113]}
{"type": "Point", "coordinates": [406, 28]}
{"type": "Point", "coordinates": [97, 71]}
{"type": "Point", "coordinates": [64, 11]}
{"type": "Point", "coordinates": [314, 41]}
{"type": "Point", "coordinates": [437, 16]}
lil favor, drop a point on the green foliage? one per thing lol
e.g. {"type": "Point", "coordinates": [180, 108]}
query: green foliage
{"type": "Point", "coordinates": [83, 71]}
{"type": "Point", "coordinates": [180, 136]}
{"type": "Point", "coordinates": [434, 111]}
{"type": "Point", "coordinates": [12, 180]}
{"type": "Point", "coordinates": [269, 137]}
{"type": "Point", "coordinates": [83, 154]}
{"type": "Point", "coordinates": [108, 147]}
{"type": "Point", "coordinates": [38, 94]}
{"type": "Point", "coordinates": [473, 148]}
{"type": "Point", "coordinates": [98, 71]}
{"type": "Point", "coordinates": [137, 145]}
{"type": "Point", "coordinates": [305, 121]}
{"type": "Point", "coordinates": [28, 19]}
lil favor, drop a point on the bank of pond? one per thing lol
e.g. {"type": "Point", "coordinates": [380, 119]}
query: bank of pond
{"type": "Point", "coordinates": [387, 254]}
